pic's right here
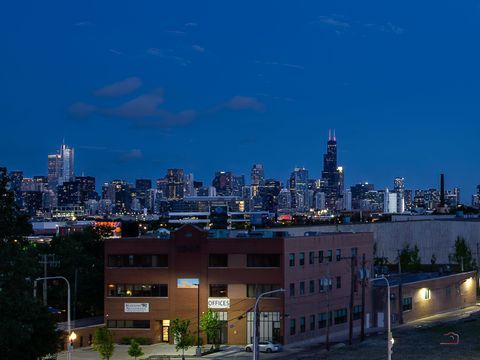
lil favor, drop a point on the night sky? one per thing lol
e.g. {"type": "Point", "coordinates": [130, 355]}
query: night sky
{"type": "Point", "coordinates": [139, 86]}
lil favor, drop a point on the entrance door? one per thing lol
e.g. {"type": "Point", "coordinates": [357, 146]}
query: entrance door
{"type": "Point", "coordinates": [223, 332]}
{"type": "Point", "coordinates": [165, 334]}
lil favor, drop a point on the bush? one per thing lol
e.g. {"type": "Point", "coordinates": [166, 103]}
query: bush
{"type": "Point", "coordinates": [140, 340]}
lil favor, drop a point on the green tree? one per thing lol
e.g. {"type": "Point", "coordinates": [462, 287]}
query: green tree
{"type": "Point", "coordinates": [463, 255]}
{"type": "Point", "coordinates": [210, 324]}
{"type": "Point", "coordinates": [81, 261]}
{"type": "Point", "coordinates": [182, 335]}
{"type": "Point", "coordinates": [27, 330]}
{"type": "Point", "coordinates": [135, 350]}
{"type": "Point", "coordinates": [410, 258]}
{"type": "Point", "coordinates": [103, 343]}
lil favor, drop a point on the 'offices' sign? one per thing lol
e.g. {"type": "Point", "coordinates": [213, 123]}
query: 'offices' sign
{"type": "Point", "coordinates": [218, 303]}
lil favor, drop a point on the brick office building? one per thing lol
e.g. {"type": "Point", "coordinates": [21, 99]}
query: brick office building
{"type": "Point", "coordinates": [151, 281]}
{"type": "Point", "coordinates": [423, 295]}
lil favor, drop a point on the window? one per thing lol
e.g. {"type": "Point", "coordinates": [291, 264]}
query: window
{"type": "Point", "coordinates": [253, 290]}
{"type": "Point", "coordinates": [320, 285]}
{"type": "Point", "coordinates": [218, 290]}
{"type": "Point", "coordinates": [311, 257]}
{"type": "Point", "coordinates": [263, 260]}
{"type": "Point", "coordinates": [338, 254]}
{"type": "Point", "coordinates": [330, 255]}
{"type": "Point", "coordinates": [302, 287]}
{"type": "Point", "coordinates": [292, 327]}
{"type": "Point", "coordinates": [312, 322]}
{"type": "Point", "coordinates": [301, 259]}
{"type": "Point", "coordinates": [302, 324]}
{"type": "Point", "coordinates": [158, 260]}
{"type": "Point", "coordinates": [354, 252]}
{"type": "Point", "coordinates": [311, 287]}
{"type": "Point", "coordinates": [292, 289]}
{"type": "Point", "coordinates": [427, 294]}
{"type": "Point", "coordinates": [340, 316]}
{"type": "Point", "coordinates": [339, 282]}
{"type": "Point", "coordinates": [128, 324]}
{"type": "Point", "coordinates": [320, 256]}
{"type": "Point", "coordinates": [407, 304]}
{"type": "Point", "coordinates": [137, 290]}
{"type": "Point", "coordinates": [322, 320]}
{"type": "Point", "coordinates": [357, 312]}
{"type": "Point", "coordinates": [218, 260]}
{"type": "Point", "coordinates": [291, 259]}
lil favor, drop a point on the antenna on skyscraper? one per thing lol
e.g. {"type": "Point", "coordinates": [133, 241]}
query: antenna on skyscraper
{"type": "Point", "coordinates": [334, 136]}
{"type": "Point", "coordinates": [329, 134]}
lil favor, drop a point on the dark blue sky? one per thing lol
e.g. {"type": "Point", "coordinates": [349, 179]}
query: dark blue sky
{"type": "Point", "coordinates": [139, 86]}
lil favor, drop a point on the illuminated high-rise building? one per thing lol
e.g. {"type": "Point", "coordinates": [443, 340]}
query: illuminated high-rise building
{"type": "Point", "coordinates": [60, 167]}
{"type": "Point", "coordinates": [257, 177]}
{"type": "Point", "coordinates": [332, 174]}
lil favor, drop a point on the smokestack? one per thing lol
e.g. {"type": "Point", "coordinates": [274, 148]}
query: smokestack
{"type": "Point", "coordinates": [442, 190]}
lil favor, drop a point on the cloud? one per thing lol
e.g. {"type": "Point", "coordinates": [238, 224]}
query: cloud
{"type": "Point", "coordinates": [88, 147]}
{"type": "Point", "coordinates": [191, 24]}
{"type": "Point", "coordinates": [168, 55]}
{"type": "Point", "coordinates": [333, 21]}
{"type": "Point", "coordinates": [120, 88]}
{"type": "Point", "coordinates": [130, 155]}
{"type": "Point", "coordinates": [115, 52]}
{"type": "Point", "coordinates": [275, 63]}
{"type": "Point", "coordinates": [142, 106]}
{"type": "Point", "coordinates": [198, 48]}
{"type": "Point", "coordinates": [143, 111]}
{"type": "Point", "coordinates": [244, 103]}
{"type": "Point", "coordinates": [81, 109]}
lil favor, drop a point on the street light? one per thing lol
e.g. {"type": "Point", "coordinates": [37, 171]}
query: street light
{"type": "Point", "coordinates": [72, 338]}
{"type": "Point", "coordinates": [69, 350]}
{"type": "Point", "coordinates": [255, 340]}
{"type": "Point", "coordinates": [390, 339]}
{"type": "Point", "coordinates": [198, 351]}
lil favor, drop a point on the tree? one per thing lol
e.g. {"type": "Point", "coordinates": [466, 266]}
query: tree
{"type": "Point", "coordinates": [103, 343]}
{"type": "Point", "coordinates": [135, 350]}
{"type": "Point", "coordinates": [211, 325]}
{"type": "Point", "coordinates": [463, 255]}
{"type": "Point", "coordinates": [182, 335]}
{"type": "Point", "coordinates": [410, 258]}
{"type": "Point", "coordinates": [27, 330]}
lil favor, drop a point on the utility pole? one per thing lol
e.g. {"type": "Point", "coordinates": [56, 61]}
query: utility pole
{"type": "Point", "coordinates": [352, 286]}
{"type": "Point", "coordinates": [47, 260]}
{"type": "Point", "coordinates": [364, 280]}
{"type": "Point", "coordinates": [400, 292]}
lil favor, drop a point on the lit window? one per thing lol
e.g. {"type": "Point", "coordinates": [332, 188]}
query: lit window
{"type": "Point", "coordinates": [426, 294]}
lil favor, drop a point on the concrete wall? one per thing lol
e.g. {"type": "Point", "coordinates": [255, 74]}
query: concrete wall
{"type": "Point", "coordinates": [431, 236]}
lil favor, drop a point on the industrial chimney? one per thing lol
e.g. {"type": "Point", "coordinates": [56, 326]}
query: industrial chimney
{"type": "Point", "coordinates": [442, 190]}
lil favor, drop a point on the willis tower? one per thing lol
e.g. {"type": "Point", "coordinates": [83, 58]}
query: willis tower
{"type": "Point", "coordinates": [332, 175]}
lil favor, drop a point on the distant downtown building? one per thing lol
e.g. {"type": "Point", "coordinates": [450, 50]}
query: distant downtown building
{"type": "Point", "coordinates": [149, 282]}
{"type": "Point", "coordinates": [332, 175]}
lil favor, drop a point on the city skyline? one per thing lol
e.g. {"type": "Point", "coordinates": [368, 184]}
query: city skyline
{"type": "Point", "coordinates": [207, 181]}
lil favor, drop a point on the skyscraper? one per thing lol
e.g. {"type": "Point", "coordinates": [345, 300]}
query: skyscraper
{"type": "Point", "coordinates": [332, 174]}
{"type": "Point", "coordinates": [175, 184]}
{"type": "Point", "coordinates": [298, 184]}
{"type": "Point", "coordinates": [399, 189]}
{"type": "Point", "coordinates": [60, 167]}
{"type": "Point", "coordinates": [257, 177]}
{"type": "Point", "coordinates": [222, 182]}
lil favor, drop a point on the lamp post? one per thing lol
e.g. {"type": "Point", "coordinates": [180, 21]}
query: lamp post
{"type": "Point", "coordinates": [390, 340]}
{"type": "Point", "coordinates": [255, 340]}
{"type": "Point", "coordinates": [71, 335]}
{"type": "Point", "coordinates": [198, 351]}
